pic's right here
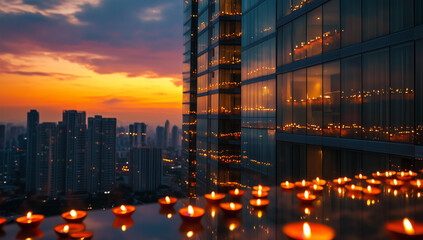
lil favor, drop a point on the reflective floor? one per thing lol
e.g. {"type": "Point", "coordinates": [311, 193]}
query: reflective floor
{"type": "Point", "coordinates": [352, 217]}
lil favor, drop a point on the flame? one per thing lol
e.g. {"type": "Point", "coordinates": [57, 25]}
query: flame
{"type": "Point", "coordinates": [345, 179]}
{"type": "Point", "coordinates": [232, 227]}
{"type": "Point", "coordinates": [66, 229]}
{"type": "Point", "coordinates": [402, 174]}
{"type": "Point", "coordinates": [260, 187]}
{"type": "Point", "coordinates": [169, 215]}
{"type": "Point", "coordinates": [259, 214]}
{"type": "Point", "coordinates": [28, 215]}
{"type": "Point", "coordinates": [353, 187]}
{"type": "Point", "coordinates": [123, 208]}
{"type": "Point", "coordinates": [339, 180]}
{"type": "Point", "coordinates": [315, 187]}
{"type": "Point", "coordinates": [259, 193]}
{"type": "Point", "coordinates": [213, 194]}
{"type": "Point", "coordinates": [123, 228]}
{"type": "Point", "coordinates": [73, 213]}
{"type": "Point", "coordinates": [418, 183]}
{"type": "Point", "coordinates": [410, 172]}
{"type": "Point", "coordinates": [236, 191]}
{"type": "Point", "coordinates": [190, 234]}
{"type": "Point", "coordinates": [339, 190]}
{"type": "Point", "coordinates": [408, 228]}
{"type": "Point", "coordinates": [369, 188]}
{"type": "Point", "coordinates": [386, 174]}
{"type": "Point", "coordinates": [395, 182]}
{"type": "Point", "coordinates": [303, 182]}
{"type": "Point", "coordinates": [306, 194]}
{"type": "Point", "coordinates": [373, 181]}
{"type": "Point", "coordinates": [287, 183]}
{"type": "Point", "coordinates": [167, 199]}
{"type": "Point", "coordinates": [317, 180]}
{"type": "Point", "coordinates": [213, 213]}
{"type": "Point", "coordinates": [258, 202]}
{"type": "Point", "coordinates": [232, 205]}
{"type": "Point", "coordinates": [307, 211]}
{"type": "Point", "coordinates": [395, 193]}
{"type": "Point", "coordinates": [190, 210]}
{"type": "Point", "coordinates": [306, 231]}
{"type": "Point", "coordinates": [360, 176]}
{"type": "Point", "coordinates": [378, 173]}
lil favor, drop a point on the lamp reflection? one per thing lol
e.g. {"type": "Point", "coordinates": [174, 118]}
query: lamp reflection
{"type": "Point", "coordinates": [31, 233]}
{"type": "Point", "coordinates": [169, 212]}
{"type": "Point", "coordinates": [124, 223]}
{"type": "Point", "coordinates": [190, 229]}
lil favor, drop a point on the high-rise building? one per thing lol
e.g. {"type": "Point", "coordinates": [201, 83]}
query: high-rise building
{"type": "Point", "coordinates": [145, 168]}
{"type": "Point", "coordinates": [166, 134]}
{"type": "Point", "coordinates": [76, 151]}
{"type": "Point", "coordinates": [2, 136]}
{"type": "Point", "coordinates": [138, 135]}
{"type": "Point", "coordinates": [45, 182]}
{"type": "Point", "coordinates": [33, 119]}
{"type": "Point", "coordinates": [160, 131]}
{"type": "Point", "coordinates": [189, 100]}
{"type": "Point", "coordinates": [174, 143]}
{"type": "Point", "coordinates": [101, 154]}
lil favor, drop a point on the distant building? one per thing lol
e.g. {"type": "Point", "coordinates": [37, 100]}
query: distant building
{"type": "Point", "coordinates": [33, 119]}
{"type": "Point", "coordinates": [2, 136]}
{"type": "Point", "coordinates": [145, 168]}
{"type": "Point", "coordinates": [160, 138]}
{"type": "Point", "coordinates": [101, 154]}
{"type": "Point", "coordinates": [138, 135]}
{"type": "Point", "coordinates": [174, 143]}
{"type": "Point", "coordinates": [45, 181]}
{"type": "Point", "coordinates": [166, 134]}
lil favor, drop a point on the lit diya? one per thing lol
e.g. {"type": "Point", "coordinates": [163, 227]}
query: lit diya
{"type": "Point", "coordinates": [259, 203]}
{"type": "Point", "coordinates": [316, 189]}
{"type": "Point", "coordinates": [404, 176]}
{"type": "Point", "coordinates": [231, 208]}
{"type": "Point", "coordinates": [236, 193]}
{"type": "Point", "coordinates": [319, 181]}
{"type": "Point", "coordinates": [30, 220]}
{"type": "Point", "coordinates": [417, 184]}
{"type": "Point", "coordinates": [371, 191]}
{"type": "Point", "coordinates": [360, 177]}
{"type": "Point", "coordinates": [404, 229]}
{"type": "Point", "coordinates": [373, 182]}
{"type": "Point", "coordinates": [262, 188]}
{"type": "Point", "coordinates": [214, 198]}
{"type": "Point", "coordinates": [306, 197]}
{"type": "Point", "coordinates": [339, 182]}
{"type": "Point", "coordinates": [74, 216]}
{"type": "Point", "coordinates": [63, 230]}
{"type": "Point", "coordinates": [353, 188]}
{"type": "Point", "coordinates": [287, 185]}
{"type": "Point", "coordinates": [85, 235]}
{"type": "Point", "coordinates": [377, 175]}
{"type": "Point", "coordinates": [395, 184]}
{"type": "Point", "coordinates": [303, 184]}
{"type": "Point", "coordinates": [191, 214]}
{"type": "Point", "coordinates": [259, 194]}
{"type": "Point", "coordinates": [304, 230]}
{"type": "Point", "coordinates": [124, 211]}
{"type": "Point", "coordinates": [389, 174]}
{"type": "Point", "coordinates": [167, 202]}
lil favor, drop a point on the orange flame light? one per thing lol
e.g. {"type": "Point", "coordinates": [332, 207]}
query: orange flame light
{"type": "Point", "coordinates": [28, 215]}
{"type": "Point", "coordinates": [123, 208]}
{"type": "Point", "coordinates": [66, 229]}
{"type": "Point", "coordinates": [73, 213]}
{"type": "Point", "coordinates": [190, 210]}
{"type": "Point", "coordinates": [306, 231]}
{"type": "Point", "coordinates": [408, 228]}
{"type": "Point", "coordinates": [167, 199]}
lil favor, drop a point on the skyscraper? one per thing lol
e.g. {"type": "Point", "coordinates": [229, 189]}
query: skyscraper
{"type": "Point", "coordinates": [146, 168]}
{"type": "Point", "coordinates": [160, 131]}
{"type": "Point", "coordinates": [174, 143]}
{"type": "Point", "coordinates": [2, 136]}
{"type": "Point", "coordinates": [101, 154]}
{"type": "Point", "coordinates": [166, 134]}
{"type": "Point", "coordinates": [45, 179]}
{"type": "Point", "coordinates": [138, 134]}
{"type": "Point", "coordinates": [33, 119]}
{"type": "Point", "coordinates": [76, 151]}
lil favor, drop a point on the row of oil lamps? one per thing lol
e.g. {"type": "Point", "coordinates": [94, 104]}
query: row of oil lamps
{"type": "Point", "coordinates": [403, 229]}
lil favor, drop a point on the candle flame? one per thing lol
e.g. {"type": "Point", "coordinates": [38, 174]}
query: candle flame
{"type": "Point", "coordinates": [395, 182]}
{"type": "Point", "coordinates": [369, 188]}
{"type": "Point", "coordinates": [387, 174]}
{"type": "Point", "coordinates": [307, 211]}
{"type": "Point", "coordinates": [287, 183]}
{"type": "Point", "coordinates": [306, 231]}
{"type": "Point", "coordinates": [260, 187]}
{"type": "Point", "coordinates": [123, 208]}
{"type": "Point", "coordinates": [28, 215]}
{"type": "Point", "coordinates": [213, 213]}
{"type": "Point", "coordinates": [232, 205]}
{"type": "Point", "coordinates": [378, 173]}
{"type": "Point", "coordinates": [190, 210]}
{"type": "Point", "coordinates": [169, 215]}
{"type": "Point", "coordinates": [66, 229]}
{"type": "Point", "coordinates": [345, 179]}
{"type": "Point", "coordinates": [232, 227]}
{"type": "Point", "coordinates": [259, 193]}
{"type": "Point", "coordinates": [402, 174]}
{"type": "Point", "coordinates": [360, 176]}
{"type": "Point", "coordinates": [407, 226]}
{"type": "Point", "coordinates": [418, 183]}
{"type": "Point", "coordinates": [339, 190]}
{"type": "Point", "coordinates": [73, 213]}
{"type": "Point", "coordinates": [373, 181]}
{"type": "Point", "coordinates": [190, 234]}
{"type": "Point", "coordinates": [315, 187]}
{"type": "Point", "coordinates": [410, 172]}
{"type": "Point", "coordinates": [167, 199]}
{"type": "Point", "coordinates": [306, 194]}
{"type": "Point", "coordinates": [123, 228]}
{"type": "Point", "coordinates": [213, 194]}
{"type": "Point", "coordinates": [258, 202]}
{"type": "Point", "coordinates": [236, 191]}
{"type": "Point", "coordinates": [317, 180]}
{"type": "Point", "coordinates": [395, 193]}
{"type": "Point", "coordinates": [259, 214]}
{"type": "Point", "coordinates": [353, 187]}
{"type": "Point", "coordinates": [303, 182]}
{"type": "Point", "coordinates": [339, 180]}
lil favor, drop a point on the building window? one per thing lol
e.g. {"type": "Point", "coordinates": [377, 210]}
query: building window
{"type": "Point", "coordinates": [375, 18]}
{"type": "Point", "coordinates": [402, 15]}
{"type": "Point", "coordinates": [419, 92]}
{"type": "Point", "coordinates": [331, 25]}
{"type": "Point", "coordinates": [299, 94]}
{"type": "Point", "coordinates": [285, 44]}
{"type": "Point", "coordinates": [331, 99]}
{"type": "Point", "coordinates": [299, 36]}
{"type": "Point", "coordinates": [285, 102]}
{"type": "Point", "coordinates": [314, 100]}
{"type": "Point", "coordinates": [350, 22]}
{"type": "Point", "coordinates": [314, 32]}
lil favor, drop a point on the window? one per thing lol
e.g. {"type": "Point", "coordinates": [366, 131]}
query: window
{"type": "Point", "coordinates": [299, 94]}
{"type": "Point", "coordinates": [314, 100]}
{"type": "Point", "coordinates": [418, 5]}
{"type": "Point", "coordinates": [375, 18]}
{"type": "Point", "coordinates": [419, 92]}
{"type": "Point", "coordinates": [331, 33]}
{"type": "Point", "coordinates": [331, 99]}
{"type": "Point", "coordinates": [299, 36]}
{"type": "Point", "coordinates": [285, 44]}
{"type": "Point", "coordinates": [402, 14]}
{"type": "Point", "coordinates": [314, 32]}
{"type": "Point", "coordinates": [285, 102]}
{"type": "Point", "coordinates": [350, 22]}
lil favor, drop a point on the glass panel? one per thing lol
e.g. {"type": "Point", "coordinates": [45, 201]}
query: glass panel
{"type": "Point", "coordinates": [331, 99]}
{"type": "Point", "coordinates": [402, 93]}
{"type": "Point", "coordinates": [203, 21]}
{"type": "Point", "coordinates": [350, 22]}
{"type": "Point", "coordinates": [375, 18]}
{"type": "Point", "coordinates": [259, 60]}
{"type": "Point", "coordinates": [419, 12]}
{"type": "Point", "coordinates": [285, 102]}
{"type": "Point", "coordinates": [351, 97]}
{"type": "Point", "coordinates": [376, 95]}
{"type": "Point", "coordinates": [331, 24]}
{"type": "Point", "coordinates": [314, 32]}
{"type": "Point", "coordinates": [230, 7]}
{"type": "Point", "coordinates": [419, 92]}
{"type": "Point", "coordinates": [299, 94]}
{"type": "Point", "coordinates": [314, 100]}
{"type": "Point", "coordinates": [402, 15]}
{"type": "Point", "coordinates": [203, 63]}
{"type": "Point", "coordinates": [299, 38]}
{"type": "Point", "coordinates": [230, 54]}
{"type": "Point", "coordinates": [285, 44]}
{"type": "Point", "coordinates": [259, 22]}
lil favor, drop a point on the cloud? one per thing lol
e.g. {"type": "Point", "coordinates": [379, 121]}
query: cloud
{"type": "Point", "coordinates": [113, 101]}
{"type": "Point", "coordinates": [152, 14]}
{"type": "Point", "coordinates": [177, 82]}
{"type": "Point", "coordinates": [58, 76]}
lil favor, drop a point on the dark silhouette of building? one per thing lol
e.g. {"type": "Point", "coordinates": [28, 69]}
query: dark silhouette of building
{"type": "Point", "coordinates": [45, 169]}
{"type": "Point", "coordinates": [101, 154]}
{"type": "Point", "coordinates": [33, 119]}
{"type": "Point", "coordinates": [138, 135]}
{"type": "Point", "coordinates": [160, 137]}
{"type": "Point", "coordinates": [166, 140]}
{"type": "Point", "coordinates": [2, 136]}
{"type": "Point", "coordinates": [145, 168]}
{"type": "Point", "coordinates": [174, 143]}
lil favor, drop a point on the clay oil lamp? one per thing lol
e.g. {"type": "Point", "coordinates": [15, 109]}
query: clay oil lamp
{"type": "Point", "coordinates": [304, 230]}
{"type": "Point", "coordinates": [74, 216]}
{"type": "Point", "coordinates": [412, 174]}
{"type": "Point", "coordinates": [85, 235]}
{"type": "Point", "coordinates": [191, 213]}
{"type": "Point", "coordinates": [404, 229]}
{"type": "Point", "coordinates": [338, 182]}
{"type": "Point", "coordinates": [259, 194]}
{"type": "Point", "coordinates": [231, 209]}
{"type": "Point", "coordinates": [404, 176]}
{"type": "Point", "coordinates": [371, 191]}
{"type": "Point", "coordinates": [262, 188]}
{"type": "Point", "coordinates": [2, 222]}
{"type": "Point", "coordinates": [319, 181]}
{"type": "Point", "coordinates": [214, 198]}
{"type": "Point", "coordinates": [374, 182]}
{"type": "Point", "coordinates": [303, 184]}
{"type": "Point", "coordinates": [377, 175]}
{"type": "Point", "coordinates": [259, 203]}
{"type": "Point", "coordinates": [167, 202]}
{"type": "Point", "coordinates": [417, 184]}
{"type": "Point", "coordinates": [306, 197]}
{"type": "Point", "coordinates": [287, 185]}
{"type": "Point", "coordinates": [316, 189]}
{"type": "Point", "coordinates": [30, 220]}
{"type": "Point", "coordinates": [63, 230]}
{"type": "Point", "coordinates": [123, 211]}
{"type": "Point", "coordinates": [395, 184]}
{"type": "Point", "coordinates": [389, 174]}
{"type": "Point", "coordinates": [354, 189]}
{"type": "Point", "coordinates": [360, 177]}
{"type": "Point", "coordinates": [236, 193]}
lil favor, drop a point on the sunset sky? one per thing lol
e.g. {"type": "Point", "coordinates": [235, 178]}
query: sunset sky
{"type": "Point", "coordinates": [116, 58]}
